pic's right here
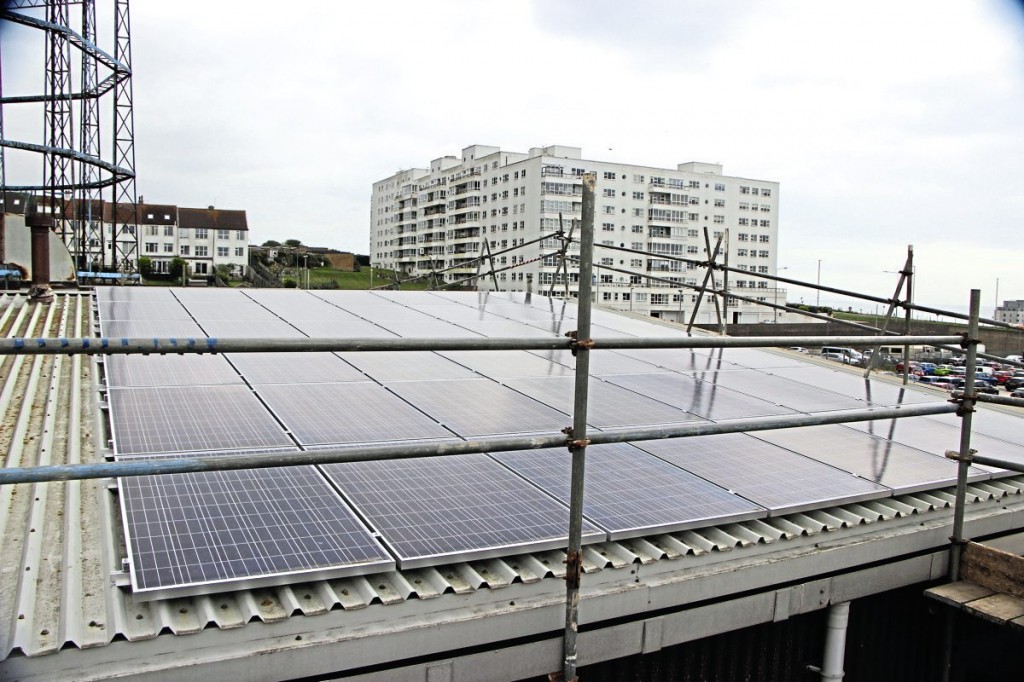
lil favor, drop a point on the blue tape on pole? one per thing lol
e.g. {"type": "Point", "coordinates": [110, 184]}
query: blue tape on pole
{"type": "Point", "coordinates": [19, 343]}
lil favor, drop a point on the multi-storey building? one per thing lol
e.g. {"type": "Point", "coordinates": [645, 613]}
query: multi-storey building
{"type": "Point", "coordinates": [1010, 312]}
{"type": "Point", "coordinates": [203, 237]}
{"type": "Point", "coordinates": [459, 210]}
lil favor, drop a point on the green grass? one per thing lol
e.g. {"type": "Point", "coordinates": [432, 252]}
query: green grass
{"type": "Point", "coordinates": [328, 277]}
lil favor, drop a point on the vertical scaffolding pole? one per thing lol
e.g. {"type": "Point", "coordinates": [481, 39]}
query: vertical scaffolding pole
{"type": "Point", "coordinates": [908, 272]}
{"type": "Point", "coordinates": [966, 413]}
{"type": "Point", "coordinates": [704, 285]}
{"type": "Point", "coordinates": [578, 438]}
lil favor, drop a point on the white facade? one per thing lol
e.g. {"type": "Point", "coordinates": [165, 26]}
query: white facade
{"type": "Point", "coordinates": [1010, 312]}
{"type": "Point", "coordinates": [436, 218]}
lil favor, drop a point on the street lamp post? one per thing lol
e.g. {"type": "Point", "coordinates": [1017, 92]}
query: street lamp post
{"type": "Point", "coordinates": [817, 300]}
{"type": "Point", "coordinates": [776, 309]}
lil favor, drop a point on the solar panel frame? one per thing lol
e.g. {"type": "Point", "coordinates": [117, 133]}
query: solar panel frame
{"type": "Point", "coordinates": [168, 370]}
{"type": "Point", "coordinates": [449, 509]}
{"type": "Point", "coordinates": [775, 478]}
{"type": "Point", "coordinates": [198, 533]}
{"type": "Point", "coordinates": [190, 419]}
{"type": "Point", "coordinates": [707, 401]}
{"type": "Point", "coordinates": [608, 406]}
{"type": "Point", "coordinates": [903, 469]}
{"type": "Point", "coordinates": [348, 413]}
{"type": "Point", "coordinates": [630, 493]}
{"type": "Point", "coordinates": [388, 366]}
{"type": "Point", "coordinates": [294, 368]}
{"type": "Point", "coordinates": [474, 408]}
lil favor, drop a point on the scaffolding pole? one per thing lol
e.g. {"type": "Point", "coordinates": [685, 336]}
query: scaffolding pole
{"type": "Point", "coordinates": [578, 437]}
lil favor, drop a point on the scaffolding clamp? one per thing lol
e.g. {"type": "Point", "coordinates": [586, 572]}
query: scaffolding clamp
{"type": "Point", "coordinates": [966, 340]}
{"type": "Point", "coordinates": [961, 400]}
{"type": "Point", "coordinates": [573, 567]}
{"type": "Point", "coordinates": [576, 343]}
{"type": "Point", "coordinates": [955, 455]}
{"type": "Point", "coordinates": [579, 443]}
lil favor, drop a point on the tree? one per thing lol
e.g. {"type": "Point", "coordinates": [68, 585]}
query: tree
{"type": "Point", "coordinates": [293, 243]}
{"type": "Point", "coordinates": [271, 243]}
{"type": "Point", "coordinates": [177, 267]}
{"type": "Point", "coordinates": [145, 266]}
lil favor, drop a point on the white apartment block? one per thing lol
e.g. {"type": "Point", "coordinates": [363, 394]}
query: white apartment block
{"type": "Point", "coordinates": [1010, 312]}
{"type": "Point", "coordinates": [427, 219]}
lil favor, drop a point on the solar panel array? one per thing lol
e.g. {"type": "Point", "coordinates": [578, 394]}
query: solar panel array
{"type": "Point", "coordinates": [196, 533]}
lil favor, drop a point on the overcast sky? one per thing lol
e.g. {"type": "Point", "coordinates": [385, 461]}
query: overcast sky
{"type": "Point", "coordinates": [886, 123]}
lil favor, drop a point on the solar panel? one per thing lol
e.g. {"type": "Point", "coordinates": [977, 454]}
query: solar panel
{"type": "Point", "coordinates": [248, 329]}
{"type": "Point", "coordinates": [936, 438]}
{"type": "Point", "coordinates": [709, 401]}
{"type": "Point", "coordinates": [630, 493]}
{"type": "Point", "coordinates": [424, 326]}
{"type": "Point", "coordinates": [193, 534]}
{"type": "Point", "coordinates": [507, 363]}
{"type": "Point", "coordinates": [133, 294]}
{"type": "Point", "coordinates": [674, 359]}
{"type": "Point", "coordinates": [294, 368]}
{"type": "Point", "coordinates": [792, 394]}
{"type": "Point", "coordinates": [134, 310]}
{"type": "Point", "coordinates": [608, 406]}
{"type": "Point", "coordinates": [169, 370]}
{"type": "Point", "coordinates": [343, 325]}
{"type": "Point", "coordinates": [602, 362]}
{"type": "Point", "coordinates": [241, 309]}
{"type": "Point", "coordinates": [354, 412]}
{"type": "Point", "coordinates": [757, 358]}
{"type": "Point", "coordinates": [151, 329]}
{"type": "Point", "coordinates": [406, 365]}
{"type": "Point", "coordinates": [188, 418]}
{"type": "Point", "coordinates": [989, 422]}
{"type": "Point", "coordinates": [775, 478]}
{"type": "Point", "coordinates": [453, 508]}
{"type": "Point", "coordinates": [895, 466]}
{"type": "Point", "coordinates": [876, 391]}
{"type": "Point", "coordinates": [480, 407]}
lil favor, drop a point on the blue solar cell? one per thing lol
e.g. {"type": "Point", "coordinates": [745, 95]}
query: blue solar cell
{"type": "Point", "coordinates": [631, 493]}
{"type": "Point", "coordinates": [453, 508]}
{"type": "Point", "coordinates": [199, 533]}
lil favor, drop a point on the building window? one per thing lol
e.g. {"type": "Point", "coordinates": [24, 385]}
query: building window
{"type": "Point", "coordinates": [169, 248]}
{"type": "Point", "coordinates": [152, 247]}
{"type": "Point", "coordinates": [719, 187]}
{"type": "Point", "coordinates": [239, 251]}
{"type": "Point", "coordinates": [608, 192]}
{"type": "Point", "coordinates": [638, 195]}
{"type": "Point", "coordinates": [765, 239]}
{"type": "Point", "coordinates": [202, 252]}
{"type": "Point", "coordinates": [719, 219]}
{"type": "Point", "coordinates": [223, 252]}
{"type": "Point", "coordinates": [184, 249]}
{"type": "Point", "coordinates": [202, 233]}
{"type": "Point", "coordinates": [168, 230]}
{"type": "Point", "coordinates": [609, 209]}
{"type": "Point", "coordinates": [223, 234]}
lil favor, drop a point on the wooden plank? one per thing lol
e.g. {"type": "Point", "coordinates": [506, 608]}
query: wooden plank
{"type": "Point", "coordinates": [957, 594]}
{"type": "Point", "coordinates": [993, 568]}
{"type": "Point", "coordinates": [998, 608]}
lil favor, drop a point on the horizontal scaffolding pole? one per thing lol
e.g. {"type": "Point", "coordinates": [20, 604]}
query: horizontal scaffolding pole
{"type": "Point", "coordinates": [999, 400]}
{"type": "Point", "coordinates": [132, 346]}
{"type": "Point", "coordinates": [149, 465]}
{"type": "Point", "coordinates": [990, 461]}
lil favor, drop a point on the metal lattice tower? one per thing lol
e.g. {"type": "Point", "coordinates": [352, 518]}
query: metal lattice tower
{"type": "Point", "coordinates": [75, 172]}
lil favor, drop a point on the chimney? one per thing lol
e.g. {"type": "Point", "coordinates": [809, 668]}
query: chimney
{"type": "Point", "coordinates": [40, 226]}
{"type": "Point", "coordinates": [209, 208]}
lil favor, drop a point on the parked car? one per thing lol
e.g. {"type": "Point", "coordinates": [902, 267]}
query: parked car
{"type": "Point", "coordinates": [979, 387]}
{"type": "Point", "coordinates": [943, 370]}
{"type": "Point", "coordinates": [928, 368]}
{"type": "Point", "coordinates": [1017, 393]}
{"type": "Point", "coordinates": [1013, 383]}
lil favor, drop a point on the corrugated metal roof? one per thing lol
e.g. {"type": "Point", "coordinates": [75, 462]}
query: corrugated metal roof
{"type": "Point", "coordinates": [61, 541]}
